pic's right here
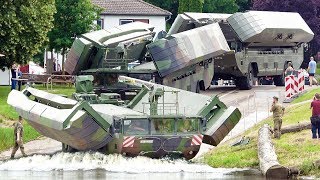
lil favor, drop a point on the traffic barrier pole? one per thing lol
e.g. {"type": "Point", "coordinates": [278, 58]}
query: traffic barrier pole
{"type": "Point", "coordinates": [301, 81]}
{"type": "Point", "coordinates": [288, 86]}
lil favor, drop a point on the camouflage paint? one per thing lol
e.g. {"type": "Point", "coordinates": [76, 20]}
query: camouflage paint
{"type": "Point", "coordinates": [97, 48]}
{"type": "Point", "coordinates": [102, 127]}
{"type": "Point", "coordinates": [260, 40]}
{"type": "Point", "coordinates": [185, 59]}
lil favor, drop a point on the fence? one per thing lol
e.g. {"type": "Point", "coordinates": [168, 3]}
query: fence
{"type": "Point", "coordinates": [254, 108]}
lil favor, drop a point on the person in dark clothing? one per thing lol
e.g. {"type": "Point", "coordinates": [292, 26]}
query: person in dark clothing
{"type": "Point", "coordinates": [13, 76]}
{"type": "Point", "coordinates": [19, 76]}
{"type": "Point", "coordinates": [54, 65]}
{"type": "Point", "coordinates": [315, 118]}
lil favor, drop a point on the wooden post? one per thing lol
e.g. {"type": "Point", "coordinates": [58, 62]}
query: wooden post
{"type": "Point", "coordinates": [296, 128]}
{"type": "Point", "coordinates": [268, 161]}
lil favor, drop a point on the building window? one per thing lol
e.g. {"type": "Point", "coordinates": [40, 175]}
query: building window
{"type": "Point", "coordinates": [126, 21]}
{"type": "Point", "coordinates": [142, 20]}
{"type": "Point", "coordinates": [100, 22]}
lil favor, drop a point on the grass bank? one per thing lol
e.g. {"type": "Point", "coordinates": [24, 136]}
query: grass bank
{"type": "Point", "coordinates": [293, 149]}
{"type": "Point", "coordinates": [8, 115]}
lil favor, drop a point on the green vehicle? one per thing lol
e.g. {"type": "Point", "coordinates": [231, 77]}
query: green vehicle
{"type": "Point", "coordinates": [183, 60]}
{"type": "Point", "coordinates": [262, 43]}
{"type": "Point", "coordinates": [158, 121]}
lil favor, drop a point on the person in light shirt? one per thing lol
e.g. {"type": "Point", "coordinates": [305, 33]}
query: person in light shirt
{"type": "Point", "coordinates": [312, 71]}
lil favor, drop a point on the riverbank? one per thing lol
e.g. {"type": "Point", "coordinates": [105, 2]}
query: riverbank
{"type": "Point", "coordinates": [293, 149]}
{"type": "Point", "coordinates": [8, 116]}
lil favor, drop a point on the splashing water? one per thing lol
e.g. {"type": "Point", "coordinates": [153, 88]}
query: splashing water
{"type": "Point", "coordinates": [112, 163]}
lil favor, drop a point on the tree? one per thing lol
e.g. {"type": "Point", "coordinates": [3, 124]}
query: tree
{"type": "Point", "coordinates": [310, 12]}
{"type": "Point", "coordinates": [24, 25]}
{"type": "Point", "coordinates": [169, 5]}
{"type": "Point", "coordinates": [190, 6]}
{"type": "Point", "coordinates": [196, 5]}
{"type": "Point", "coordinates": [221, 6]}
{"type": "Point", "coordinates": [73, 17]}
{"type": "Point", "coordinates": [243, 5]}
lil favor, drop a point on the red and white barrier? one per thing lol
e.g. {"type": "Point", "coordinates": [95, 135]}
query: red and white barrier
{"type": "Point", "coordinates": [289, 87]}
{"type": "Point", "coordinates": [294, 84]}
{"type": "Point", "coordinates": [301, 81]}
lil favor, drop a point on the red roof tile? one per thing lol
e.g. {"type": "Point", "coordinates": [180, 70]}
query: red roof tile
{"type": "Point", "coordinates": [130, 7]}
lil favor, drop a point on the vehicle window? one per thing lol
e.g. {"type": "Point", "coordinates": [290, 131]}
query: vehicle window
{"type": "Point", "coordinates": [162, 126]}
{"type": "Point", "coordinates": [187, 125]}
{"type": "Point", "coordinates": [136, 127]}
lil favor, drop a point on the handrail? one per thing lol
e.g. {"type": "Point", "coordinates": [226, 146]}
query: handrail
{"type": "Point", "coordinates": [51, 79]}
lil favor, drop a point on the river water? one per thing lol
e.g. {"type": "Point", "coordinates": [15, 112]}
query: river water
{"type": "Point", "coordinates": [94, 165]}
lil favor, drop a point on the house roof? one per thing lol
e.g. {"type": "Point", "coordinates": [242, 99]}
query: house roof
{"type": "Point", "coordinates": [129, 7]}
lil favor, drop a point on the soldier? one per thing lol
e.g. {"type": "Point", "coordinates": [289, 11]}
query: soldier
{"type": "Point", "coordinates": [18, 134]}
{"type": "Point", "coordinates": [278, 110]}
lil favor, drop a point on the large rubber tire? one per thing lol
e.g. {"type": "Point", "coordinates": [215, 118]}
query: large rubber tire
{"type": "Point", "coordinates": [279, 80]}
{"type": "Point", "coordinates": [198, 87]}
{"type": "Point", "coordinates": [245, 82]}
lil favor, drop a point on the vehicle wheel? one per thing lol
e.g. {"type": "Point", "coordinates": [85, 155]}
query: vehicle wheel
{"type": "Point", "coordinates": [67, 148]}
{"type": "Point", "coordinates": [245, 82]}
{"type": "Point", "coordinates": [279, 80]}
{"type": "Point", "coordinates": [198, 87]}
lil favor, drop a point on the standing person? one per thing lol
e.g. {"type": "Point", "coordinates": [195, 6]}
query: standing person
{"type": "Point", "coordinates": [13, 76]}
{"type": "Point", "coordinates": [278, 110]}
{"type": "Point", "coordinates": [54, 64]}
{"type": "Point", "coordinates": [289, 70]}
{"type": "Point", "coordinates": [315, 118]}
{"type": "Point", "coordinates": [312, 70]}
{"type": "Point", "coordinates": [19, 76]}
{"type": "Point", "coordinates": [59, 67]}
{"type": "Point", "coordinates": [18, 135]}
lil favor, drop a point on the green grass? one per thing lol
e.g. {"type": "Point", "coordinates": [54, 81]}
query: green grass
{"type": "Point", "coordinates": [318, 68]}
{"type": "Point", "coordinates": [7, 114]}
{"type": "Point", "coordinates": [307, 96]}
{"type": "Point", "coordinates": [293, 149]}
{"type": "Point", "coordinates": [7, 137]}
{"type": "Point", "coordinates": [6, 111]}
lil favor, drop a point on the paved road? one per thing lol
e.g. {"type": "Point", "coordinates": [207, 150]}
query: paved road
{"type": "Point", "coordinates": [254, 104]}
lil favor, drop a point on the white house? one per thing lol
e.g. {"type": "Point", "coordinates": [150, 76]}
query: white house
{"type": "Point", "coordinates": [5, 76]}
{"type": "Point", "coordinates": [118, 12]}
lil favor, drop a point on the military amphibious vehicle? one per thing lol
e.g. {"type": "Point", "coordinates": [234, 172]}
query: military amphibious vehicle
{"type": "Point", "coordinates": [262, 43]}
{"type": "Point", "coordinates": [158, 121]}
{"type": "Point", "coordinates": [183, 60]}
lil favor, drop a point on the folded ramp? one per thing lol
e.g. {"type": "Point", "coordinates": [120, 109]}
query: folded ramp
{"type": "Point", "coordinates": [187, 48]}
{"type": "Point", "coordinates": [219, 120]}
{"type": "Point", "coordinates": [267, 26]}
{"type": "Point", "coordinates": [80, 127]}
{"type": "Point", "coordinates": [49, 99]}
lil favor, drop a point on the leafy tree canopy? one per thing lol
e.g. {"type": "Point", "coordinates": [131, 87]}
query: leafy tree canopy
{"type": "Point", "coordinates": [24, 25]}
{"type": "Point", "coordinates": [169, 5]}
{"type": "Point", "coordinates": [190, 6]}
{"type": "Point", "coordinates": [243, 5]}
{"type": "Point", "coordinates": [221, 6]}
{"type": "Point", "coordinates": [73, 17]}
{"type": "Point", "coordinates": [212, 6]}
{"type": "Point", "coordinates": [309, 10]}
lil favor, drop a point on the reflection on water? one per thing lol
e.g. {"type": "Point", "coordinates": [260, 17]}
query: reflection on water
{"type": "Point", "coordinates": [93, 165]}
